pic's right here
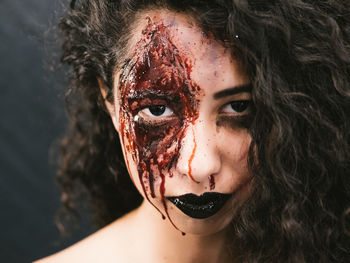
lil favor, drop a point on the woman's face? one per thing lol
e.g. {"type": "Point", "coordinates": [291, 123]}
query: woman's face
{"type": "Point", "coordinates": [182, 107]}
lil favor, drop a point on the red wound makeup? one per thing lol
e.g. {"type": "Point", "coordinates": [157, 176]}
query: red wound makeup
{"type": "Point", "coordinates": [158, 102]}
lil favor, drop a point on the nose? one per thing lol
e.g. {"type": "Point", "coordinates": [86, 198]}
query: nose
{"type": "Point", "coordinates": [199, 157]}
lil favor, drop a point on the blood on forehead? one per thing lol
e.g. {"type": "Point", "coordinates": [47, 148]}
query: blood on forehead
{"type": "Point", "coordinates": [157, 73]}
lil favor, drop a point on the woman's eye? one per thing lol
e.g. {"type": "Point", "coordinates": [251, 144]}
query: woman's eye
{"type": "Point", "coordinates": [157, 111]}
{"type": "Point", "coordinates": [237, 106]}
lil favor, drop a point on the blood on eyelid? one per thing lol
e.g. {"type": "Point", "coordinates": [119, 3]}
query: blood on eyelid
{"type": "Point", "coordinates": [159, 66]}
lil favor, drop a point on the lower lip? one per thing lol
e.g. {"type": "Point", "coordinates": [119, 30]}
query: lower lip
{"type": "Point", "coordinates": [202, 210]}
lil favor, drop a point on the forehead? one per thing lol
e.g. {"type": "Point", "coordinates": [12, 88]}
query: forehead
{"type": "Point", "coordinates": [211, 61]}
{"type": "Point", "coordinates": [183, 31]}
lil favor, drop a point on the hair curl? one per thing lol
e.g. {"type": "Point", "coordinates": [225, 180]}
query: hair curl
{"type": "Point", "coordinates": [297, 54]}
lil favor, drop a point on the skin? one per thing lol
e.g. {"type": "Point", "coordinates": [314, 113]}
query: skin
{"type": "Point", "coordinates": [209, 153]}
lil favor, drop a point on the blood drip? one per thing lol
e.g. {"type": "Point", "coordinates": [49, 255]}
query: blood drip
{"type": "Point", "coordinates": [211, 182]}
{"type": "Point", "coordinates": [191, 158]}
{"type": "Point", "coordinates": [157, 74]}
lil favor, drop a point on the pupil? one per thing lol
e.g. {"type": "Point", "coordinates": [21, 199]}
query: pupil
{"type": "Point", "coordinates": [157, 110]}
{"type": "Point", "coordinates": [240, 106]}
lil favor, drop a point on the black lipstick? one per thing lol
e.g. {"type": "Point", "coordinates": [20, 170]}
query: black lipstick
{"type": "Point", "coordinates": [202, 206]}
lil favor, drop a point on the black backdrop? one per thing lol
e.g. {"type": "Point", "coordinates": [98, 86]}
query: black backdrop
{"type": "Point", "coordinates": [31, 118]}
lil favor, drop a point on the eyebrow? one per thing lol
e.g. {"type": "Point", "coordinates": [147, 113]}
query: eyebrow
{"type": "Point", "coordinates": [234, 90]}
{"type": "Point", "coordinates": [149, 93]}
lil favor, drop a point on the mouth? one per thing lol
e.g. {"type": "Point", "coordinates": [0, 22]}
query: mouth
{"type": "Point", "coordinates": [200, 207]}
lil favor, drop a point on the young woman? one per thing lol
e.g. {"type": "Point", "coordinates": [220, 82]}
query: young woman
{"type": "Point", "coordinates": [230, 118]}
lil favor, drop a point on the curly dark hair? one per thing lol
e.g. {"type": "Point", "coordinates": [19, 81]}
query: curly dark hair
{"type": "Point", "coordinates": [297, 54]}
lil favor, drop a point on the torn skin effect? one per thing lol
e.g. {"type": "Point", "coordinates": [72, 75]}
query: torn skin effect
{"type": "Point", "coordinates": [157, 74]}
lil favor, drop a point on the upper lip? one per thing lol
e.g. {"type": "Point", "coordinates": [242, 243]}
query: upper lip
{"type": "Point", "coordinates": [202, 206]}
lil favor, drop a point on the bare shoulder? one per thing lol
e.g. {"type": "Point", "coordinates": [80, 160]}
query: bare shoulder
{"type": "Point", "coordinates": [111, 243]}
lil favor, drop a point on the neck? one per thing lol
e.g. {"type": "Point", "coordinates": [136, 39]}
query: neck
{"type": "Point", "coordinates": [171, 245]}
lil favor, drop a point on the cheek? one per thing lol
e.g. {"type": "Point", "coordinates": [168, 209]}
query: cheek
{"type": "Point", "coordinates": [234, 150]}
{"type": "Point", "coordinates": [235, 147]}
{"type": "Point", "coordinates": [158, 145]}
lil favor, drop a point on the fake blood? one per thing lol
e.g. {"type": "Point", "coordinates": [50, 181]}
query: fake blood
{"type": "Point", "coordinates": [211, 182]}
{"type": "Point", "coordinates": [191, 157]}
{"type": "Point", "coordinates": [157, 74]}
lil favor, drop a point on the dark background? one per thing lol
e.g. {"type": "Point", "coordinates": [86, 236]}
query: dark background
{"type": "Point", "coordinates": [31, 119]}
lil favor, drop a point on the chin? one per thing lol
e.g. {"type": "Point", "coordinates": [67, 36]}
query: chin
{"type": "Point", "coordinates": [203, 227]}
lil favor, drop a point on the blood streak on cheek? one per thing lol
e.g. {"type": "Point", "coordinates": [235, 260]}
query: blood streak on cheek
{"type": "Point", "coordinates": [157, 72]}
{"type": "Point", "coordinates": [192, 156]}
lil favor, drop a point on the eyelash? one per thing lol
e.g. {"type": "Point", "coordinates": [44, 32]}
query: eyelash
{"type": "Point", "coordinates": [239, 107]}
{"type": "Point", "coordinates": [148, 110]}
